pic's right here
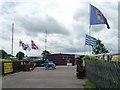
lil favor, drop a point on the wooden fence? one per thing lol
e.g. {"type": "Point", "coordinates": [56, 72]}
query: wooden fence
{"type": "Point", "coordinates": [103, 74]}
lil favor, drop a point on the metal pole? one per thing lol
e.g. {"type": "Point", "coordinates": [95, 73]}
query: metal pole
{"type": "Point", "coordinates": [45, 43]}
{"type": "Point", "coordinates": [46, 40]}
{"type": "Point", "coordinates": [90, 35]}
{"type": "Point", "coordinates": [85, 45]}
{"type": "Point", "coordinates": [89, 26]}
{"type": "Point", "coordinates": [12, 38]}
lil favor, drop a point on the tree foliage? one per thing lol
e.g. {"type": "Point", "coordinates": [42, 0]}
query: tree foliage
{"type": "Point", "coordinates": [45, 53]}
{"type": "Point", "coordinates": [20, 55]}
{"type": "Point", "coordinates": [99, 48]}
{"type": "Point", "coordinates": [3, 54]}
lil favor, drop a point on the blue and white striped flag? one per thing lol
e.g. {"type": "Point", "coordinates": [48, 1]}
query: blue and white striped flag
{"type": "Point", "coordinates": [89, 40]}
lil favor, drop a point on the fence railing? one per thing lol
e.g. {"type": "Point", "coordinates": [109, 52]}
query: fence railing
{"type": "Point", "coordinates": [103, 74]}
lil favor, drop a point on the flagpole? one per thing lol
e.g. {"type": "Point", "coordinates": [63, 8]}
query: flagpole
{"type": "Point", "coordinates": [89, 27]}
{"type": "Point", "coordinates": [85, 45]}
{"type": "Point", "coordinates": [46, 40]}
{"type": "Point", "coordinates": [12, 38]}
{"type": "Point", "coordinates": [85, 48]}
{"type": "Point", "coordinates": [90, 35]}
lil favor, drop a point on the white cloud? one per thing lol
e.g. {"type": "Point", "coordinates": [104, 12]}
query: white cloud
{"type": "Point", "coordinates": [67, 22]}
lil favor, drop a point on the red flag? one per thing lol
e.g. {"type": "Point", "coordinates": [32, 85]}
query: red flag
{"type": "Point", "coordinates": [33, 45]}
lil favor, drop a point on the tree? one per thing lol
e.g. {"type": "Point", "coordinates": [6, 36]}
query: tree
{"type": "Point", "coordinates": [99, 48]}
{"type": "Point", "coordinates": [45, 53]}
{"type": "Point", "coordinates": [3, 54]}
{"type": "Point", "coordinates": [20, 55]}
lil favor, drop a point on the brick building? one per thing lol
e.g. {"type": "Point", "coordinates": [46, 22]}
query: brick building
{"type": "Point", "coordinates": [62, 59]}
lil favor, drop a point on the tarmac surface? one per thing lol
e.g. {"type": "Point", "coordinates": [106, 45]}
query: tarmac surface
{"type": "Point", "coordinates": [61, 77]}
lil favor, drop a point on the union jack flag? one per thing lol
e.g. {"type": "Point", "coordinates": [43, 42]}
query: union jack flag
{"type": "Point", "coordinates": [34, 46]}
{"type": "Point", "coordinates": [24, 46]}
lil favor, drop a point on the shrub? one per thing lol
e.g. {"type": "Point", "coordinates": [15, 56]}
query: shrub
{"type": "Point", "coordinates": [90, 58]}
{"type": "Point", "coordinates": [10, 60]}
{"type": "Point", "coordinates": [98, 59]}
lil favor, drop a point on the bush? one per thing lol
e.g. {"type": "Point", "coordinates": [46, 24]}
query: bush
{"type": "Point", "coordinates": [98, 59]}
{"type": "Point", "coordinates": [90, 58]}
{"type": "Point", "coordinates": [10, 60]}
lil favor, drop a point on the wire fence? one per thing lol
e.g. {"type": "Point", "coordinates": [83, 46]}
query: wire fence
{"type": "Point", "coordinates": [103, 74]}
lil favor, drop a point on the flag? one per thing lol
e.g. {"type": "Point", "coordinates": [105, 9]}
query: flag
{"type": "Point", "coordinates": [96, 17]}
{"type": "Point", "coordinates": [33, 45]}
{"type": "Point", "coordinates": [21, 44]}
{"type": "Point", "coordinates": [24, 46]}
{"type": "Point", "coordinates": [89, 40]}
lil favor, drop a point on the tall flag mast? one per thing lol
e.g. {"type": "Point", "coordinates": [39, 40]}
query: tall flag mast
{"type": "Point", "coordinates": [46, 40]}
{"type": "Point", "coordinates": [12, 38]}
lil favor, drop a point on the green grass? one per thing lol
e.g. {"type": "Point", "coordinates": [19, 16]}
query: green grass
{"type": "Point", "coordinates": [89, 85]}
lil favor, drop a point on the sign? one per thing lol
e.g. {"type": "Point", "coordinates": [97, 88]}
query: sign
{"type": "Point", "coordinates": [69, 64]}
{"type": "Point", "coordinates": [8, 68]}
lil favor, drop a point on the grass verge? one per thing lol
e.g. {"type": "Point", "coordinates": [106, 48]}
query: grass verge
{"type": "Point", "coordinates": [89, 85]}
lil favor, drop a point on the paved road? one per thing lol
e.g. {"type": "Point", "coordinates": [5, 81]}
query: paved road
{"type": "Point", "coordinates": [61, 77]}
